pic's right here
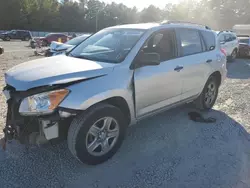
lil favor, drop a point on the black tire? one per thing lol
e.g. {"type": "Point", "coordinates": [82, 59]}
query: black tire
{"type": "Point", "coordinates": [82, 123]}
{"type": "Point", "coordinates": [32, 45]}
{"type": "Point", "coordinates": [26, 38]}
{"type": "Point", "coordinates": [7, 38]}
{"type": "Point", "coordinates": [233, 56]}
{"type": "Point", "coordinates": [1, 50]}
{"type": "Point", "coordinates": [200, 102]}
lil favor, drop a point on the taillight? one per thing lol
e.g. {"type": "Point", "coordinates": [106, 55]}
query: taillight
{"type": "Point", "coordinates": [223, 51]}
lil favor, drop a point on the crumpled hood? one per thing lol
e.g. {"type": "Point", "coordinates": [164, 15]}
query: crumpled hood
{"type": "Point", "coordinates": [54, 70]}
{"type": "Point", "coordinates": [57, 46]}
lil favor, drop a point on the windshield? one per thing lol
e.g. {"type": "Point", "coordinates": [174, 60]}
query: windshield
{"type": "Point", "coordinates": [108, 45]}
{"type": "Point", "coordinates": [244, 40]}
{"type": "Point", "coordinates": [77, 40]}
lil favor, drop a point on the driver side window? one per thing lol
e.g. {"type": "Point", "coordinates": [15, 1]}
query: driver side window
{"type": "Point", "coordinates": [162, 43]}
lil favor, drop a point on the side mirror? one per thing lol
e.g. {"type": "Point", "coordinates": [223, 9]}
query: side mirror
{"type": "Point", "coordinates": [147, 59]}
{"type": "Point", "coordinates": [1, 50]}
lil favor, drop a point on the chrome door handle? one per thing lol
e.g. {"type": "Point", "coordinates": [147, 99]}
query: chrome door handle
{"type": "Point", "coordinates": [178, 68]}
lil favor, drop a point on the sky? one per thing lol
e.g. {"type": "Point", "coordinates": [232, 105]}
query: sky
{"type": "Point", "coordinates": [140, 4]}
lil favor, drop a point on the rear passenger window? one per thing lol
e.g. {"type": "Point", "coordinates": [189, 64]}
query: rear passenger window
{"type": "Point", "coordinates": [209, 39]}
{"type": "Point", "coordinates": [190, 41]}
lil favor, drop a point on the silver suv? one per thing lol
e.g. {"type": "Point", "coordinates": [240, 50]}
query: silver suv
{"type": "Point", "coordinates": [113, 79]}
{"type": "Point", "coordinates": [230, 43]}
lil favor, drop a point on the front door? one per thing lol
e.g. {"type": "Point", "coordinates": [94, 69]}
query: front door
{"type": "Point", "coordinates": [160, 85]}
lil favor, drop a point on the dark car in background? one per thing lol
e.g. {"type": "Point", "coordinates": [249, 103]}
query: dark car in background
{"type": "Point", "coordinates": [16, 34]}
{"type": "Point", "coordinates": [244, 45]}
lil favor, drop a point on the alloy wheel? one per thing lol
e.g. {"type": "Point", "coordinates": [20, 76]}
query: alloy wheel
{"type": "Point", "coordinates": [102, 136]}
{"type": "Point", "coordinates": [210, 93]}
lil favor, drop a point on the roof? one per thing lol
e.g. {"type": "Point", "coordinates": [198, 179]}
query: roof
{"type": "Point", "coordinates": [137, 26]}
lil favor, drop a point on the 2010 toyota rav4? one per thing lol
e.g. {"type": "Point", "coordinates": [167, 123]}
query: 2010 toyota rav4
{"type": "Point", "coordinates": [113, 79]}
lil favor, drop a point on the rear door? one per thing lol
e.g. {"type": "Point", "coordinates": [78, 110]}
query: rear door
{"type": "Point", "coordinates": [18, 35]}
{"type": "Point", "coordinates": [195, 60]}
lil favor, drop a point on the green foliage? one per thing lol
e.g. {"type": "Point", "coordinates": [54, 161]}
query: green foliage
{"type": "Point", "coordinates": [92, 15]}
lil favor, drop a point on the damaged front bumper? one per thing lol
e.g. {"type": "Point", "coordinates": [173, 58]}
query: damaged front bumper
{"type": "Point", "coordinates": [32, 130]}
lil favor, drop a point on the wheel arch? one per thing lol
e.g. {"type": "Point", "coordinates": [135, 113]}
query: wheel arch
{"type": "Point", "coordinates": [217, 75]}
{"type": "Point", "coordinates": [118, 102]}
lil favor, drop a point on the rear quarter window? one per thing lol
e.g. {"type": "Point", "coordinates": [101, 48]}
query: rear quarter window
{"type": "Point", "coordinates": [209, 39]}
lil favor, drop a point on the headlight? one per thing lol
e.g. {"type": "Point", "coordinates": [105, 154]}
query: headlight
{"type": "Point", "coordinates": [42, 103]}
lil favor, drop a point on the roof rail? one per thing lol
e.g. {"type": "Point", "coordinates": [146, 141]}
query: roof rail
{"type": "Point", "coordinates": [242, 35]}
{"type": "Point", "coordinates": [184, 22]}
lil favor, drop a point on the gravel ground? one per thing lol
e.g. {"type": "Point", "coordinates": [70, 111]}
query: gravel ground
{"type": "Point", "coordinates": [167, 150]}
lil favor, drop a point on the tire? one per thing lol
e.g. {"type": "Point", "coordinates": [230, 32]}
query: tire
{"type": "Point", "coordinates": [1, 50]}
{"type": "Point", "coordinates": [201, 102]}
{"type": "Point", "coordinates": [26, 38]}
{"type": "Point", "coordinates": [78, 133]}
{"type": "Point", "coordinates": [32, 45]}
{"type": "Point", "coordinates": [7, 38]}
{"type": "Point", "coordinates": [233, 56]}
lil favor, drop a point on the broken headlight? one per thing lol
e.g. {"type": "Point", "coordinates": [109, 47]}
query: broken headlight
{"type": "Point", "coordinates": [42, 103]}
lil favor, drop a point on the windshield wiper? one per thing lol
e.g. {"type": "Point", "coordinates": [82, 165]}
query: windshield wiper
{"type": "Point", "coordinates": [81, 56]}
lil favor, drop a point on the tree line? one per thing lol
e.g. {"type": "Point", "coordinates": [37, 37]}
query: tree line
{"type": "Point", "coordinates": [92, 15]}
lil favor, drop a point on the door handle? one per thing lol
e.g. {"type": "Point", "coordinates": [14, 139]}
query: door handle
{"type": "Point", "coordinates": [209, 60]}
{"type": "Point", "coordinates": [178, 68]}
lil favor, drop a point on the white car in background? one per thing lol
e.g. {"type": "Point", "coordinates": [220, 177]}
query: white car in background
{"type": "Point", "coordinates": [229, 42]}
{"type": "Point", "coordinates": [57, 48]}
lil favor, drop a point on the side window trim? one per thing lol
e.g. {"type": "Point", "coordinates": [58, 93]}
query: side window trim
{"type": "Point", "coordinates": [176, 50]}
{"type": "Point", "coordinates": [203, 42]}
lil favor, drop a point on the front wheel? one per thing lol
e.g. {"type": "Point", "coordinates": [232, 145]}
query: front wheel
{"type": "Point", "coordinates": [96, 135]}
{"type": "Point", "coordinates": [209, 94]}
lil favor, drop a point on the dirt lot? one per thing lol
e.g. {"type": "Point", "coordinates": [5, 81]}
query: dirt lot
{"type": "Point", "coordinates": [167, 150]}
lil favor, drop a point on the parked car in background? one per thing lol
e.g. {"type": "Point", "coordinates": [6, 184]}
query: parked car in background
{"type": "Point", "coordinates": [54, 37]}
{"type": "Point", "coordinates": [229, 42]}
{"type": "Point", "coordinates": [57, 48]}
{"type": "Point", "coordinates": [16, 34]}
{"type": "Point", "coordinates": [244, 45]}
{"type": "Point", "coordinates": [115, 78]}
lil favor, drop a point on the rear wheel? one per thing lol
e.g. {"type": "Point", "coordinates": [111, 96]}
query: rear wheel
{"type": "Point", "coordinates": [233, 55]}
{"type": "Point", "coordinates": [209, 94]}
{"type": "Point", "coordinates": [7, 38]}
{"type": "Point", "coordinates": [96, 135]}
{"type": "Point", "coordinates": [26, 38]}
